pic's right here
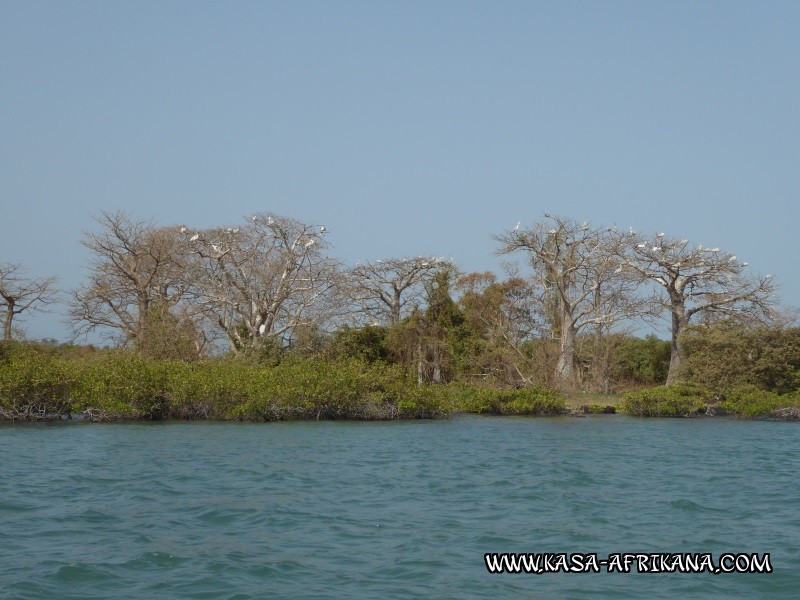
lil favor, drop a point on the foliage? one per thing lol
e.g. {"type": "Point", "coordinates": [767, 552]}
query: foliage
{"type": "Point", "coordinates": [169, 336]}
{"type": "Point", "coordinates": [33, 383]}
{"type": "Point", "coordinates": [728, 354]}
{"type": "Point", "coordinates": [680, 400]}
{"type": "Point", "coordinates": [41, 381]}
{"type": "Point", "coordinates": [750, 401]}
{"type": "Point", "coordinates": [642, 360]}
{"type": "Point", "coordinates": [367, 344]}
{"type": "Point", "coordinates": [506, 401]}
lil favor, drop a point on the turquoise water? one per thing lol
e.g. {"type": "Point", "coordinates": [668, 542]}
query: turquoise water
{"type": "Point", "coordinates": [395, 510]}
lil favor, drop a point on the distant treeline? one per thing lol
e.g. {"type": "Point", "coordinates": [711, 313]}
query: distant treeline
{"type": "Point", "coordinates": [268, 287]}
{"type": "Point", "coordinates": [259, 322]}
{"type": "Point", "coordinates": [363, 374]}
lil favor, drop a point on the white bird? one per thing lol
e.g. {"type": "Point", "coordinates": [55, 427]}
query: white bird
{"type": "Point", "coordinates": [618, 269]}
{"type": "Point", "coordinates": [641, 245]}
{"type": "Point", "coordinates": [676, 266]}
{"type": "Point", "coordinates": [254, 218]}
{"type": "Point", "coordinates": [551, 231]}
{"type": "Point", "coordinates": [309, 243]}
{"type": "Point", "coordinates": [516, 227]}
{"type": "Point", "coordinates": [236, 230]}
{"type": "Point", "coordinates": [215, 248]}
{"type": "Point", "coordinates": [323, 229]}
{"type": "Point", "coordinates": [195, 237]}
{"type": "Point", "coordinates": [732, 259]}
{"type": "Point", "coordinates": [547, 215]}
{"type": "Point", "coordinates": [744, 264]}
{"type": "Point", "coordinates": [262, 328]}
{"type": "Point", "coordinates": [183, 229]}
{"type": "Point", "coordinates": [715, 249]}
{"type": "Point", "coordinates": [656, 248]}
{"type": "Point", "coordinates": [585, 225]}
{"type": "Point", "coordinates": [684, 241]}
{"type": "Point", "coordinates": [631, 231]}
{"type": "Point", "coordinates": [270, 221]}
{"type": "Point", "coordinates": [660, 234]}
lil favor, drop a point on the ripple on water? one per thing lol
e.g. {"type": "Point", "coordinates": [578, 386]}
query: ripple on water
{"type": "Point", "coordinates": [401, 510]}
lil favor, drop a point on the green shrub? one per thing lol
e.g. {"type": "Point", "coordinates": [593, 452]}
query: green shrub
{"type": "Point", "coordinates": [729, 355]}
{"type": "Point", "coordinates": [119, 384]}
{"type": "Point", "coordinates": [642, 360]}
{"type": "Point", "coordinates": [749, 401]}
{"type": "Point", "coordinates": [33, 384]}
{"type": "Point", "coordinates": [682, 400]}
{"type": "Point", "coordinates": [505, 401]}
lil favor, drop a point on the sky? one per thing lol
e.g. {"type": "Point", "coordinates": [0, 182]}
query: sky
{"type": "Point", "coordinates": [405, 127]}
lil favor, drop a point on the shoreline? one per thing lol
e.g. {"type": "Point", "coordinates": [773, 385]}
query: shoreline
{"type": "Point", "coordinates": [789, 415]}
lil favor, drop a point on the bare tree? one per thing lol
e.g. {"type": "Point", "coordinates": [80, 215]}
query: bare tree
{"type": "Point", "coordinates": [20, 293]}
{"type": "Point", "coordinates": [262, 280]}
{"type": "Point", "coordinates": [384, 288]}
{"type": "Point", "coordinates": [579, 277]}
{"type": "Point", "coordinates": [135, 269]}
{"type": "Point", "coordinates": [697, 281]}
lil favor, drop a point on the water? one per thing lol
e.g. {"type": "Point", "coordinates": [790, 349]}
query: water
{"type": "Point", "coordinates": [398, 510]}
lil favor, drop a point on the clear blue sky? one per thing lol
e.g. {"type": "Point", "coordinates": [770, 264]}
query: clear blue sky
{"type": "Point", "coordinates": [404, 127]}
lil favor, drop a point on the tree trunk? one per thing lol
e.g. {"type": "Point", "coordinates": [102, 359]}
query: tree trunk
{"type": "Point", "coordinates": [679, 321]}
{"type": "Point", "coordinates": [600, 362]}
{"type": "Point", "coordinates": [437, 364]}
{"type": "Point", "coordinates": [7, 321]}
{"type": "Point", "coordinates": [394, 308]}
{"type": "Point", "coordinates": [565, 368]}
{"type": "Point", "coordinates": [420, 371]}
{"type": "Point", "coordinates": [144, 308]}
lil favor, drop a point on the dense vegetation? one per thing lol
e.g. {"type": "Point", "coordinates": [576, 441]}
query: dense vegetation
{"type": "Point", "coordinates": [38, 381]}
{"type": "Point", "coordinates": [363, 374]}
{"type": "Point", "coordinates": [259, 322]}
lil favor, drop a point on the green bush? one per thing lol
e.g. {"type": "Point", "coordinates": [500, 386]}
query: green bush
{"type": "Point", "coordinates": [641, 360]}
{"type": "Point", "coordinates": [33, 384]}
{"type": "Point", "coordinates": [729, 355]}
{"type": "Point", "coordinates": [119, 384]}
{"type": "Point", "coordinates": [505, 401]}
{"type": "Point", "coordinates": [682, 400]}
{"type": "Point", "coordinates": [752, 402]}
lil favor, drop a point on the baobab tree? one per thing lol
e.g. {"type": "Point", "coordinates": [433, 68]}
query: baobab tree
{"type": "Point", "coordinates": [697, 281]}
{"type": "Point", "coordinates": [21, 293]}
{"type": "Point", "coordinates": [135, 270]}
{"type": "Point", "coordinates": [262, 280]}
{"type": "Point", "coordinates": [579, 276]}
{"type": "Point", "coordinates": [382, 289]}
